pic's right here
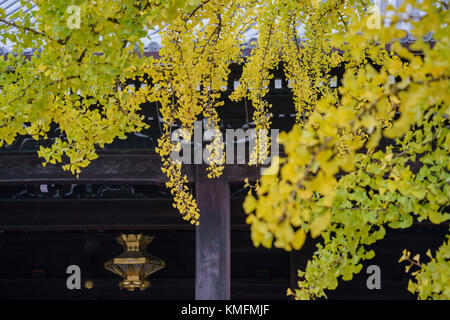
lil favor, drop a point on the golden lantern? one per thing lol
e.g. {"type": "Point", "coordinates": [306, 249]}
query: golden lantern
{"type": "Point", "coordinates": [134, 265]}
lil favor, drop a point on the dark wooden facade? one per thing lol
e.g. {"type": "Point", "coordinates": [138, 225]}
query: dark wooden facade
{"type": "Point", "coordinates": [50, 220]}
{"type": "Point", "coordinates": [39, 238]}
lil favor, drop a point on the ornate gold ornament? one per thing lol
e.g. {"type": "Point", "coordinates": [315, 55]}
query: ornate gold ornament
{"type": "Point", "coordinates": [134, 265]}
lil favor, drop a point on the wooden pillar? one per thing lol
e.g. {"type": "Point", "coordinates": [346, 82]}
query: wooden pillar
{"type": "Point", "coordinates": [212, 273]}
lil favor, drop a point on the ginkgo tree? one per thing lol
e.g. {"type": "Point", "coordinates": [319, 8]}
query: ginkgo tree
{"type": "Point", "coordinates": [333, 182]}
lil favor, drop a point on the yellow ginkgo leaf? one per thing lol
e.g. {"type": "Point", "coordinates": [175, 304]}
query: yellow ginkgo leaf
{"type": "Point", "coordinates": [319, 224]}
{"type": "Point", "coordinates": [299, 239]}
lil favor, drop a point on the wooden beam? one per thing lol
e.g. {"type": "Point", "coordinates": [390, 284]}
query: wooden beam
{"type": "Point", "coordinates": [212, 239]}
{"type": "Point", "coordinates": [117, 168]}
{"type": "Point", "coordinates": [136, 167]}
{"type": "Point", "coordinates": [101, 214]}
{"type": "Point", "coordinates": [160, 289]}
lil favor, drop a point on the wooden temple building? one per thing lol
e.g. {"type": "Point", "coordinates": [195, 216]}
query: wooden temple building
{"type": "Point", "coordinates": [50, 220]}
